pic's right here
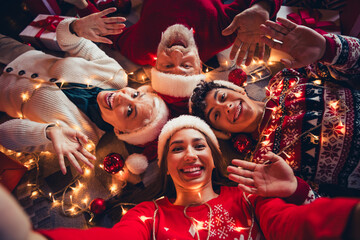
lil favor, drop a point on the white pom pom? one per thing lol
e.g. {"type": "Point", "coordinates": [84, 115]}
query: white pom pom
{"type": "Point", "coordinates": [136, 163]}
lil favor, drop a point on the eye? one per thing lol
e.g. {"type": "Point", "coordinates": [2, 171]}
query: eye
{"type": "Point", "coordinates": [168, 65]}
{"type": "Point", "coordinates": [135, 94]}
{"type": "Point", "coordinates": [200, 146]}
{"type": "Point", "coordinates": [187, 66]}
{"type": "Point", "coordinates": [129, 110]}
{"type": "Point", "coordinates": [176, 149]}
{"type": "Point", "coordinates": [222, 97]}
{"type": "Point", "coordinates": [216, 115]}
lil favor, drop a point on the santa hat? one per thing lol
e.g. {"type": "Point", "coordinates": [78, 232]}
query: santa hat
{"type": "Point", "coordinates": [145, 137]}
{"type": "Point", "coordinates": [226, 84]}
{"type": "Point", "coordinates": [174, 85]}
{"type": "Point", "coordinates": [184, 121]}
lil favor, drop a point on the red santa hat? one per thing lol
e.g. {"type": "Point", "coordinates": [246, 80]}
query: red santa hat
{"type": "Point", "coordinates": [145, 137]}
{"type": "Point", "coordinates": [184, 121]}
{"type": "Point", "coordinates": [174, 85]}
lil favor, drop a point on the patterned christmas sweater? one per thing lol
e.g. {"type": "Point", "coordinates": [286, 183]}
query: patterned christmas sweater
{"type": "Point", "coordinates": [231, 215]}
{"type": "Point", "coordinates": [313, 122]}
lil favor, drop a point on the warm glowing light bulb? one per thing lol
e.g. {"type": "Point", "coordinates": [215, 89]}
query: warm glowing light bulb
{"type": "Point", "coordinates": [131, 73]}
{"type": "Point", "coordinates": [266, 142]}
{"type": "Point", "coordinates": [155, 58]}
{"type": "Point", "coordinates": [207, 70]}
{"type": "Point", "coordinates": [113, 188]}
{"type": "Point", "coordinates": [318, 82]}
{"type": "Point", "coordinates": [270, 63]}
{"type": "Point", "coordinates": [123, 210]}
{"type": "Point", "coordinates": [101, 166]}
{"type": "Point", "coordinates": [34, 193]}
{"type": "Point", "coordinates": [38, 86]}
{"type": "Point", "coordinates": [334, 104]}
{"type": "Point", "coordinates": [243, 66]}
{"type": "Point", "coordinates": [85, 200]}
{"type": "Point", "coordinates": [18, 154]}
{"type": "Point", "coordinates": [87, 172]}
{"type": "Point", "coordinates": [25, 96]}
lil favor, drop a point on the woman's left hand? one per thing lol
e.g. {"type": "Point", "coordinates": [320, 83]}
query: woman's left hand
{"type": "Point", "coordinates": [272, 179]}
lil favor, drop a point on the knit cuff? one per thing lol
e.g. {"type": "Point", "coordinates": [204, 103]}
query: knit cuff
{"type": "Point", "coordinates": [330, 50]}
{"type": "Point", "coordinates": [301, 193]}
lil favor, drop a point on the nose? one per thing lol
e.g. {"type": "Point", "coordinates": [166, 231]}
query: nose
{"type": "Point", "coordinates": [190, 154]}
{"type": "Point", "coordinates": [122, 98]}
{"type": "Point", "coordinates": [229, 107]}
{"type": "Point", "coordinates": [176, 55]}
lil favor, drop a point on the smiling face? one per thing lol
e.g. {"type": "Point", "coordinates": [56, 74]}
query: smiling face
{"type": "Point", "coordinates": [232, 111]}
{"type": "Point", "coordinates": [189, 160]}
{"type": "Point", "coordinates": [127, 109]}
{"type": "Point", "coordinates": [177, 52]}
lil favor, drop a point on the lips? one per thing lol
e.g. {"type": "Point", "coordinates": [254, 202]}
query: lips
{"type": "Point", "coordinates": [109, 99]}
{"type": "Point", "coordinates": [192, 170]}
{"type": "Point", "coordinates": [237, 111]}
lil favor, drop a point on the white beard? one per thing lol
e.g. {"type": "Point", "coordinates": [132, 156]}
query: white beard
{"type": "Point", "coordinates": [177, 36]}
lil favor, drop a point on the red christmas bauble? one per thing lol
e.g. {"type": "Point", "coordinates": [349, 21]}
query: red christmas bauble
{"type": "Point", "coordinates": [97, 206]}
{"type": "Point", "coordinates": [113, 163]}
{"type": "Point", "coordinates": [242, 143]}
{"type": "Point", "coordinates": [238, 77]}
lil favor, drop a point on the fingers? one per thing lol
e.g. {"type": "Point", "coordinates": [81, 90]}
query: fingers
{"type": "Point", "coordinates": [242, 53]}
{"type": "Point", "coordinates": [240, 171]}
{"type": "Point", "coordinates": [244, 164]}
{"type": "Point", "coordinates": [241, 180]}
{"type": "Point", "coordinates": [286, 23]}
{"type": "Point", "coordinates": [230, 29]}
{"type": "Point", "coordinates": [114, 20]}
{"type": "Point", "coordinates": [250, 54]}
{"type": "Point", "coordinates": [247, 189]}
{"type": "Point", "coordinates": [270, 156]}
{"type": "Point", "coordinates": [62, 163]}
{"type": "Point", "coordinates": [288, 62]}
{"type": "Point", "coordinates": [271, 43]}
{"type": "Point", "coordinates": [261, 50]}
{"type": "Point", "coordinates": [272, 32]}
{"type": "Point", "coordinates": [235, 48]}
{"type": "Point", "coordinates": [107, 11]}
{"type": "Point", "coordinates": [80, 157]}
{"type": "Point", "coordinates": [73, 161]}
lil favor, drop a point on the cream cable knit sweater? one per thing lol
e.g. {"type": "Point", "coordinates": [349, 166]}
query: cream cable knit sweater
{"type": "Point", "coordinates": [48, 104]}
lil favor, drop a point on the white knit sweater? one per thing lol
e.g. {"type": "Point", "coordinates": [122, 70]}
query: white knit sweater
{"type": "Point", "coordinates": [86, 63]}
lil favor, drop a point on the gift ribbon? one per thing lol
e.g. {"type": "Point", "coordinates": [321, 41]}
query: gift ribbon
{"type": "Point", "coordinates": [311, 18]}
{"type": "Point", "coordinates": [48, 24]}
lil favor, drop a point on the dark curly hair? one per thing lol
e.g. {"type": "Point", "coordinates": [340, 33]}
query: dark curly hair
{"type": "Point", "coordinates": [197, 103]}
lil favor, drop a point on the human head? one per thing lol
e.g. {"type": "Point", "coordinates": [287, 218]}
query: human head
{"type": "Point", "coordinates": [238, 113]}
{"type": "Point", "coordinates": [178, 66]}
{"type": "Point", "coordinates": [190, 122]}
{"type": "Point", "coordinates": [177, 52]}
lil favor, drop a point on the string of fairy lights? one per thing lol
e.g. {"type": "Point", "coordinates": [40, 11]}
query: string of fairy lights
{"type": "Point", "coordinates": [70, 204]}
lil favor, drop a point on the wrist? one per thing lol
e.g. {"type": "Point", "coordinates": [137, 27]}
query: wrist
{"type": "Point", "coordinates": [72, 27]}
{"type": "Point", "coordinates": [48, 130]}
{"type": "Point", "coordinates": [264, 6]}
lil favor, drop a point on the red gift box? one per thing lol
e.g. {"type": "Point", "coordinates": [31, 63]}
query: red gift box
{"type": "Point", "coordinates": [42, 32]}
{"type": "Point", "coordinates": [326, 20]}
{"type": "Point", "coordinates": [11, 171]}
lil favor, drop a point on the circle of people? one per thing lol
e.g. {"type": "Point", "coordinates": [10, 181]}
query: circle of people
{"type": "Point", "coordinates": [307, 127]}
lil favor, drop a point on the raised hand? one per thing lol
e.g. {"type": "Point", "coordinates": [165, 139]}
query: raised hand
{"type": "Point", "coordinates": [69, 143]}
{"type": "Point", "coordinates": [95, 26]}
{"type": "Point", "coordinates": [304, 44]}
{"type": "Point", "coordinates": [247, 25]}
{"type": "Point", "coordinates": [273, 179]}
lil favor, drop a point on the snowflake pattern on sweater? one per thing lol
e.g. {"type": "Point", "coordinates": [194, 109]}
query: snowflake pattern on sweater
{"type": "Point", "coordinates": [313, 125]}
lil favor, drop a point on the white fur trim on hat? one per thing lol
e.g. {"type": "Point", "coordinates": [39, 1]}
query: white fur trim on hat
{"type": "Point", "coordinates": [174, 85]}
{"type": "Point", "coordinates": [151, 131]}
{"type": "Point", "coordinates": [184, 121]}
{"type": "Point", "coordinates": [136, 163]}
{"type": "Point", "coordinates": [229, 85]}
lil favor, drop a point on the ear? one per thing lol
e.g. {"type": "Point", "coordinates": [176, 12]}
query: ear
{"type": "Point", "coordinates": [145, 88]}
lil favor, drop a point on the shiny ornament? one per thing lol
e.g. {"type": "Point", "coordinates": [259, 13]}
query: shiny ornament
{"type": "Point", "coordinates": [238, 77]}
{"type": "Point", "coordinates": [242, 143]}
{"type": "Point", "coordinates": [97, 206]}
{"type": "Point", "coordinates": [113, 163]}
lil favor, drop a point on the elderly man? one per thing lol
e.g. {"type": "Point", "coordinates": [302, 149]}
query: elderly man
{"type": "Point", "coordinates": [213, 22]}
{"type": "Point", "coordinates": [59, 103]}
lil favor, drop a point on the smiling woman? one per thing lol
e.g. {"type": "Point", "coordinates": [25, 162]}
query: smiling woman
{"type": "Point", "coordinates": [189, 151]}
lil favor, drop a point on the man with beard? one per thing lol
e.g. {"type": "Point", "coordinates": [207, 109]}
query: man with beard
{"type": "Point", "coordinates": [215, 25]}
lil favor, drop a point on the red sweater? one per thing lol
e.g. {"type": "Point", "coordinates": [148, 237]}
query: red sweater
{"type": "Point", "coordinates": [207, 17]}
{"type": "Point", "coordinates": [231, 218]}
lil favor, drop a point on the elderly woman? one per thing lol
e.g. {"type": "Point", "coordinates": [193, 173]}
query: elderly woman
{"type": "Point", "coordinates": [197, 206]}
{"type": "Point", "coordinates": [307, 119]}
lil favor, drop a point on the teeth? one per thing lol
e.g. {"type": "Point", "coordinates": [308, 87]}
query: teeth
{"type": "Point", "coordinates": [193, 169]}
{"type": "Point", "coordinates": [238, 111]}
{"type": "Point", "coordinates": [109, 99]}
